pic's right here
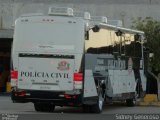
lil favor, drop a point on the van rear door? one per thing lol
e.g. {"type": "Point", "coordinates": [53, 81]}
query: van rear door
{"type": "Point", "coordinates": [46, 72]}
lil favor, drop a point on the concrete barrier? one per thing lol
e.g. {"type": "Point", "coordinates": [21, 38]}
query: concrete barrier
{"type": "Point", "coordinates": [149, 100]}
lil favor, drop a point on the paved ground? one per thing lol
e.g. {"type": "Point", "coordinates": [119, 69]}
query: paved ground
{"type": "Point", "coordinates": [26, 111]}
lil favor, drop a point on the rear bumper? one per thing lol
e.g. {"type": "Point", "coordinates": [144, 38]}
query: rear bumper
{"type": "Point", "coordinates": [57, 98]}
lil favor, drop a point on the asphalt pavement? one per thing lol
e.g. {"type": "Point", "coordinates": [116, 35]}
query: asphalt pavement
{"type": "Point", "coordinates": [116, 111]}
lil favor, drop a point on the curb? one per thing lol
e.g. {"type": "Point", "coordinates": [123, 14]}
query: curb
{"type": "Point", "coordinates": [149, 100]}
{"type": "Point", "coordinates": [148, 104]}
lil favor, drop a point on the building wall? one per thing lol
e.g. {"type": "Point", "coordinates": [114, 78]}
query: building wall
{"type": "Point", "coordinates": [6, 16]}
{"type": "Point", "coordinates": [124, 10]}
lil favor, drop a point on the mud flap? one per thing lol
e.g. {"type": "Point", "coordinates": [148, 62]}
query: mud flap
{"type": "Point", "coordinates": [90, 95]}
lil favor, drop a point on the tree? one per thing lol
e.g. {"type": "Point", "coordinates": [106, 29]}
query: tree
{"type": "Point", "coordinates": [151, 29]}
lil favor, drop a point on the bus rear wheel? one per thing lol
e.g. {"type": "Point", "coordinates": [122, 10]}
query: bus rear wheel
{"type": "Point", "coordinates": [98, 107]}
{"type": "Point", "coordinates": [130, 102]}
{"type": "Point", "coordinates": [44, 107]}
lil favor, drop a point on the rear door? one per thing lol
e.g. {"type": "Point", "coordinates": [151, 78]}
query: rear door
{"type": "Point", "coordinates": [46, 72]}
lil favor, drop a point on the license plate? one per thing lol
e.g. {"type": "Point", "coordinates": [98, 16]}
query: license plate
{"type": "Point", "coordinates": [45, 87]}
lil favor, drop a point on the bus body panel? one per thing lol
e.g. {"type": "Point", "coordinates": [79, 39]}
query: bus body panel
{"type": "Point", "coordinates": [54, 45]}
{"type": "Point", "coordinates": [45, 73]}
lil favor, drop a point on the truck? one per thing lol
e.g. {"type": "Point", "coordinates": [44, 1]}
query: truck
{"type": "Point", "coordinates": [61, 59]}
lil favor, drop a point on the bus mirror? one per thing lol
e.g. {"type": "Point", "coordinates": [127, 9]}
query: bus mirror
{"type": "Point", "coordinates": [118, 33]}
{"type": "Point", "coordinates": [136, 37]}
{"type": "Point", "coordinates": [96, 29]}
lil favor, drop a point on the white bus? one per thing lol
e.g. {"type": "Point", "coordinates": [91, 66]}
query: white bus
{"type": "Point", "coordinates": [53, 64]}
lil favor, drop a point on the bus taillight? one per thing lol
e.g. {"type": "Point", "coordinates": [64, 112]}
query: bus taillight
{"type": "Point", "coordinates": [78, 80]}
{"type": "Point", "coordinates": [78, 77]}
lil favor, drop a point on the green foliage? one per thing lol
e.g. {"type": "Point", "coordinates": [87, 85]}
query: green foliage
{"type": "Point", "coordinates": [152, 35]}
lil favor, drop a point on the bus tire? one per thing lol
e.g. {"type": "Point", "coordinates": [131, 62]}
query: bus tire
{"type": "Point", "coordinates": [86, 108]}
{"type": "Point", "coordinates": [130, 102]}
{"type": "Point", "coordinates": [38, 107]}
{"type": "Point", "coordinates": [49, 107]}
{"type": "Point", "coordinates": [44, 107]}
{"type": "Point", "coordinates": [98, 107]}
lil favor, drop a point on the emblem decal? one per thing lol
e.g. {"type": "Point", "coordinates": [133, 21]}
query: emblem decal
{"type": "Point", "coordinates": [63, 65]}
